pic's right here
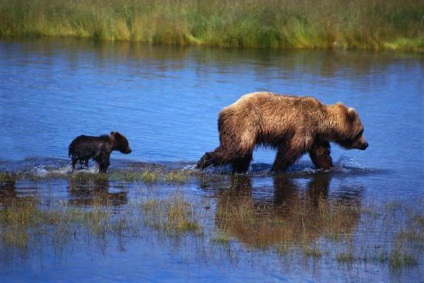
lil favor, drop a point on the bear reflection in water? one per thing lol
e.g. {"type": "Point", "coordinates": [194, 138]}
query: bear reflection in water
{"type": "Point", "coordinates": [10, 195]}
{"type": "Point", "coordinates": [292, 125]}
{"type": "Point", "coordinates": [292, 216]}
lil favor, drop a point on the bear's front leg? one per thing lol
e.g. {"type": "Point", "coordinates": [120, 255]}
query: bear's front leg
{"type": "Point", "coordinates": [103, 160]}
{"type": "Point", "coordinates": [320, 155]}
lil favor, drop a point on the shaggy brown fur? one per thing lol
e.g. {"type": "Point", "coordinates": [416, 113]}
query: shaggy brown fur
{"type": "Point", "coordinates": [83, 148]}
{"type": "Point", "coordinates": [292, 125]}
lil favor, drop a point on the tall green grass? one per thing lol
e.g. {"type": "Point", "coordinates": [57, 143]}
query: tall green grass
{"type": "Point", "coordinates": [363, 24]}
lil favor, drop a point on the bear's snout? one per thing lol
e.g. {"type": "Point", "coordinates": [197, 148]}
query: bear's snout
{"type": "Point", "coordinates": [362, 143]}
{"type": "Point", "coordinates": [363, 146]}
{"type": "Point", "coordinates": [127, 151]}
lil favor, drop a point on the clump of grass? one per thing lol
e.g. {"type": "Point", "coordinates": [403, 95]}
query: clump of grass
{"type": "Point", "coordinates": [173, 215]}
{"type": "Point", "coordinates": [144, 176]}
{"type": "Point", "coordinates": [400, 258]}
{"type": "Point", "coordinates": [152, 176]}
{"type": "Point", "coordinates": [177, 177]}
{"type": "Point", "coordinates": [380, 24]}
{"type": "Point", "coordinates": [15, 221]}
{"type": "Point", "coordinates": [345, 257]}
{"type": "Point", "coordinates": [221, 237]}
{"type": "Point", "coordinates": [23, 222]}
{"type": "Point", "coordinates": [312, 251]}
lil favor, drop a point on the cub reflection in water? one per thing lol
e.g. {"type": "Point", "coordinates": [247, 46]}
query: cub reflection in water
{"type": "Point", "coordinates": [293, 216]}
{"type": "Point", "coordinates": [91, 191]}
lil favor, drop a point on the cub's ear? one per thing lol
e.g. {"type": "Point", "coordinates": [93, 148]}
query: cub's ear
{"type": "Point", "coordinates": [112, 133]}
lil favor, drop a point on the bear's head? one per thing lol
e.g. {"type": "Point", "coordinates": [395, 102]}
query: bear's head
{"type": "Point", "coordinates": [120, 143]}
{"type": "Point", "coordinates": [350, 132]}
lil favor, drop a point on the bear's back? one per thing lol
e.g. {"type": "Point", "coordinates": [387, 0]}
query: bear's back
{"type": "Point", "coordinates": [273, 107]}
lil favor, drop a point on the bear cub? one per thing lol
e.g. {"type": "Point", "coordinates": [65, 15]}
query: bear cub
{"type": "Point", "coordinates": [82, 148]}
{"type": "Point", "coordinates": [292, 125]}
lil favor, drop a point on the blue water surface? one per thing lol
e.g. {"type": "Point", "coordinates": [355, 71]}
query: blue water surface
{"type": "Point", "coordinates": [166, 100]}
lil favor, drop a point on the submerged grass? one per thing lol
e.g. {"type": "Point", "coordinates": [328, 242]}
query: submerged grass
{"type": "Point", "coordinates": [379, 24]}
{"type": "Point", "coordinates": [317, 227]}
{"type": "Point", "coordinates": [25, 222]}
{"type": "Point", "coordinates": [173, 215]}
{"type": "Point", "coordinates": [148, 176]}
{"type": "Point", "coordinates": [309, 225]}
{"type": "Point", "coordinates": [152, 176]}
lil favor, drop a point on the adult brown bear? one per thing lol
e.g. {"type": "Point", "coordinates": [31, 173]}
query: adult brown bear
{"type": "Point", "coordinates": [292, 125]}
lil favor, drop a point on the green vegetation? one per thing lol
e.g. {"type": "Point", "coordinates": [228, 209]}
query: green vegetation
{"type": "Point", "coordinates": [362, 24]}
{"type": "Point", "coordinates": [173, 215]}
{"type": "Point", "coordinates": [153, 176]}
{"type": "Point", "coordinates": [24, 222]}
{"type": "Point", "coordinates": [309, 225]}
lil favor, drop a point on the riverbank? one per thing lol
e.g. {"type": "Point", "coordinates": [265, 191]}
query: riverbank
{"type": "Point", "coordinates": [374, 25]}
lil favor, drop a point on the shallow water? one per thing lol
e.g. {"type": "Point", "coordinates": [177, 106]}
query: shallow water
{"type": "Point", "coordinates": [166, 100]}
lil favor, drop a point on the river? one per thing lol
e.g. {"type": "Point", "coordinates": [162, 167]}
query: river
{"type": "Point", "coordinates": [166, 99]}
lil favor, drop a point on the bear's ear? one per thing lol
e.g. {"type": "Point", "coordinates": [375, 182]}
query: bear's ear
{"type": "Point", "coordinates": [112, 133]}
{"type": "Point", "coordinates": [351, 113]}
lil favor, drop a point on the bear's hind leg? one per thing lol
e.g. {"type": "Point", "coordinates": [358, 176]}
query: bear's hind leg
{"type": "Point", "coordinates": [205, 161]}
{"type": "Point", "coordinates": [241, 165]}
{"type": "Point", "coordinates": [74, 162]}
{"type": "Point", "coordinates": [216, 158]}
{"type": "Point", "coordinates": [320, 155]}
{"type": "Point", "coordinates": [285, 157]}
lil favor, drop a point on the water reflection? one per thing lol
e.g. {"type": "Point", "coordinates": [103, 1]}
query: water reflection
{"type": "Point", "coordinates": [7, 190]}
{"type": "Point", "coordinates": [94, 191]}
{"type": "Point", "coordinates": [293, 216]}
{"type": "Point", "coordinates": [11, 194]}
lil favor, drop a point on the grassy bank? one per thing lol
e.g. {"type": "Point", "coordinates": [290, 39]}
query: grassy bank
{"type": "Point", "coordinates": [362, 24]}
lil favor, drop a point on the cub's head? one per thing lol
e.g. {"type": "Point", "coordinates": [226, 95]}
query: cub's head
{"type": "Point", "coordinates": [351, 135]}
{"type": "Point", "coordinates": [120, 143]}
